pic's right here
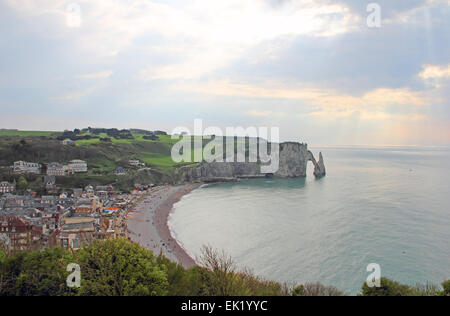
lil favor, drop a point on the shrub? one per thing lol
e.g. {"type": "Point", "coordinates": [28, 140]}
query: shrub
{"type": "Point", "coordinates": [427, 290]}
{"type": "Point", "coordinates": [120, 268]}
{"type": "Point", "coordinates": [389, 288]}
{"type": "Point", "coordinates": [316, 289]}
{"type": "Point", "coordinates": [446, 286]}
{"type": "Point", "coordinates": [181, 282]}
{"type": "Point", "coordinates": [222, 278]}
{"type": "Point", "coordinates": [39, 273]}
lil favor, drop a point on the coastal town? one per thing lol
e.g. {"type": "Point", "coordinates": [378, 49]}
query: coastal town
{"type": "Point", "coordinates": [67, 218]}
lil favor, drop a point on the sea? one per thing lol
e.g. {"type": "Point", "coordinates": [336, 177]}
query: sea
{"type": "Point", "coordinates": [384, 205]}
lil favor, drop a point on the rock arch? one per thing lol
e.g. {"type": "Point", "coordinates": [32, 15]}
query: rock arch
{"type": "Point", "coordinates": [319, 166]}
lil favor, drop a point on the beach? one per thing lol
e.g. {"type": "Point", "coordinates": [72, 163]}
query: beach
{"type": "Point", "coordinates": [147, 223]}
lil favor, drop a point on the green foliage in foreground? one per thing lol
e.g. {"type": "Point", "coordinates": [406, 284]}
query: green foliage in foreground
{"type": "Point", "coordinates": [316, 289]}
{"type": "Point", "coordinates": [393, 288]}
{"type": "Point", "coordinates": [446, 286]}
{"type": "Point", "coordinates": [122, 268]}
{"type": "Point", "coordinates": [119, 267]}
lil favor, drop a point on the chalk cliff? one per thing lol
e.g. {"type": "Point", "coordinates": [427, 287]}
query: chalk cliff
{"type": "Point", "coordinates": [293, 160]}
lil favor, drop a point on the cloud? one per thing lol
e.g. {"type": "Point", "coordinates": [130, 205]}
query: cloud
{"type": "Point", "coordinates": [329, 100]}
{"type": "Point", "coordinates": [96, 75]}
{"type": "Point", "coordinates": [306, 65]}
{"type": "Point", "coordinates": [435, 72]}
{"type": "Point", "coordinates": [263, 113]}
{"type": "Point", "coordinates": [204, 35]}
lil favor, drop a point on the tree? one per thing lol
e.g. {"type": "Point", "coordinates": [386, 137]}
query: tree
{"type": "Point", "coordinates": [221, 277]}
{"type": "Point", "coordinates": [39, 273]}
{"type": "Point", "coordinates": [299, 291]}
{"type": "Point", "coordinates": [316, 289]}
{"type": "Point", "coordinates": [182, 282]}
{"type": "Point", "coordinates": [22, 184]}
{"type": "Point", "coordinates": [446, 286]}
{"type": "Point", "coordinates": [120, 268]}
{"type": "Point", "coordinates": [2, 254]}
{"type": "Point", "coordinates": [389, 288]}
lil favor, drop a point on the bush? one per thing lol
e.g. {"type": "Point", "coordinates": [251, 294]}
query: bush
{"type": "Point", "coordinates": [446, 286]}
{"type": "Point", "coordinates": [221, 278]}
{"type": "Point", "coordinates": [389, 288]}
{"type": "Point", "coordinates": [427, 290]}
{"type": "Point", "coordinates": [181, 282]}
{"type": "Point", "coordinates": [151, 137]}
{"type": "Point", "coordinates": [316, 289]}
{"type": "Point", "coordinates": [108, 268]}
{"type": "Point", "coordinates": [120, 268]}
{"type": "Point", "coordinates": [39, 273]}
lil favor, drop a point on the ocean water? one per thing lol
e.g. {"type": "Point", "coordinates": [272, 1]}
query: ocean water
{"type": "Point", "coordinates": [384, 205]}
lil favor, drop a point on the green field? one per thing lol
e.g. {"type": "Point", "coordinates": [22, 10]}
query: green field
{"type": "Point", "coordinates": [166, 139]}
{"type": "Point", "coordinates": [154, 153]}
{"type": "Point", "coordinates": [13, 133]}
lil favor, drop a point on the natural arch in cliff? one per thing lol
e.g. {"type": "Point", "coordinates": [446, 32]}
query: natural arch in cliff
{"type": "Point", "coordinates": [319, 166]}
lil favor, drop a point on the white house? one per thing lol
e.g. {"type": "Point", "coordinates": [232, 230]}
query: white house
{"type": "Point", "coordinates": [135, 163]}
{"type": "Point", "coordinates": [68, 142]}
{"type": "Point", "coordinates": [27, 167]}
{"type": "Point", "coordinates": [78, 166]}
{"type": "Point", "coordinates": [57, 169]}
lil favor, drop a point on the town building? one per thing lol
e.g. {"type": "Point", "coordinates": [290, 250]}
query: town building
{"type": "Point", "coordinates": [88, 206]}
{"type": "Point", "coordinates": [49, 183]}
{"type": "Point", "coordinates": [20, 234]}
{"type": "Point", "coordinates": [6, 187]}
{"type": "Point", "coordinates": [135, 163]}
{"type": "Point", "coordinates": [89, 191]}
{"type": "Point", "coordinates": [78, 166]}
{"type": "Point", "coordinates": [77, 193]}
{"type": "Point", "coordinates": [120, 171]}
{"type": "Point", "coordinates": [77, 232]}
{"type": "Point", "coordinates": [56, 169]}
{"type": "Point", "coordinates": [22, 167]}
{"type": "Point", "coordinates": [84, 209]}
{"type": "Point", "coordinates": [68, 142]}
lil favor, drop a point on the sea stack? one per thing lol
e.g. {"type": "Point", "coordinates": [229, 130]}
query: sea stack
{"type": "Point", "coordinates": [319, 168]}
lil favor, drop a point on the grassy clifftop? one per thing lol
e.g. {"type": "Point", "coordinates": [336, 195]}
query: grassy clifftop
{"type": "Point", "coordinates": [103, 157]}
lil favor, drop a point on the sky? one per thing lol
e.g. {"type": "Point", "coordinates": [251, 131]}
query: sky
{"type": "Point", "coordinates": [316, 69]}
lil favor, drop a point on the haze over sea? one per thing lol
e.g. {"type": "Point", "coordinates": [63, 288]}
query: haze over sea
{"type": "Point", "coordinates": [385, 205]}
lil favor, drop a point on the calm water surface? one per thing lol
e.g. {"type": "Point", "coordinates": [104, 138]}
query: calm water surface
{"type": "Point", "coordinates": [387, 205]}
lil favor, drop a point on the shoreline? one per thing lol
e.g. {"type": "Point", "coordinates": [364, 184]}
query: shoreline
{"type": "Point", "coordinates": [149, 227]}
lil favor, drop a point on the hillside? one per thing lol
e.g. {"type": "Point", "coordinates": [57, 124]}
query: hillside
{"type": "Point", "coordinates": [104, 150]}
{"type": "Point", "coordinates": [103, 154]}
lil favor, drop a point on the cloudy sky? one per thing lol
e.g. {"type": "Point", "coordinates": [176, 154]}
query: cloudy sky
{"type": "Point", "coordinates": [314, 68]}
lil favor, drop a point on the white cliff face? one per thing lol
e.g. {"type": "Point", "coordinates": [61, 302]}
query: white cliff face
{"type": "Point", "coordinates": [293, 161]}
